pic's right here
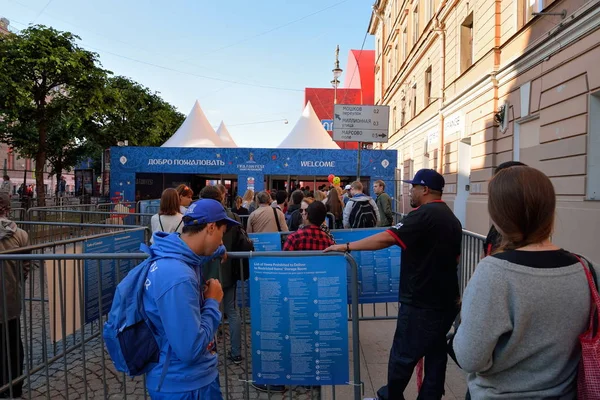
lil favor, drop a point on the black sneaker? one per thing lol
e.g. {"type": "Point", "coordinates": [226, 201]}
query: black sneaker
{"type": "Point", "coordinates": [269, 388]}
{"type": "Point", "coordinates": [237, 360]}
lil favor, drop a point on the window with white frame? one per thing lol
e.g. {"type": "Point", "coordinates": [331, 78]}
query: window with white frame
{"type": "Point", "coordinates": [532, 6]}
{"type": "Point", "coordinates": [415, 21]}
{"type": "Point", "coordinates": [414, 100]}
{"type": "Point", "coordinates": [430, 9]}
{"type": "Point", "coordinates": [404, 43]}
{"type": "Point", "coordinates": [593, 153]}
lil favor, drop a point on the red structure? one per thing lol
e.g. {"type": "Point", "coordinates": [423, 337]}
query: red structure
{"type": "Point", "coordinates": [358, 88]}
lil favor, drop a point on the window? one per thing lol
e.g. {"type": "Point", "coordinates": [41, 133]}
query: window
{"type": "Point", "coordinates": [414, 101]}
{"type": "Point", "coordinates": [466, 43]}
{"type": "Point", "coordinates": [532, 6]}
{"type": "Point", "coordinates": [397, 61]}
{"type": "Point", "coordinates": [11, 158]}
{"type": "Point", "coordinates": [389, 71]}
{"type": "Point", "coordinates": [430, 9]}
{"type": "Point", "coordinates": [394, 126]}
{"type": "Point", "coordinates": [404, 43]}
{"type": "Point", "coordinates": [593, 155]}
{"type": "Point", "coordinates": [415, 25]}
{"type": "Point", "coordinates": [403, 112]}
{"type": "Point", "coordinates": [403, 116]}
{"type": "Point", "coordinates": [428, 86]}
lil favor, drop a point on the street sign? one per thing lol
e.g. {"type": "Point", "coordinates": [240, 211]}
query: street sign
{"type": "Point", "coordinates": [356, 123]}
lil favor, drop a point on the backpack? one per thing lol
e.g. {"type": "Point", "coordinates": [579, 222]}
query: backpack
{"type": "Point", "coordinates": [241, 242]}
{"type": "Point", "coordinates": [127, 333]}
{"type": "Point", "coordinates": [362, 215]}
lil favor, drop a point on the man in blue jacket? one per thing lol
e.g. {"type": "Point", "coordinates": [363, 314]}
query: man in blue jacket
{"type": "Point", "coordinates": [183, 308]}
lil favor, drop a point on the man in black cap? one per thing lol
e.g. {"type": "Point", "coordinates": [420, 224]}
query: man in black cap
{"type": "Point", "coordinates": [430, 237]}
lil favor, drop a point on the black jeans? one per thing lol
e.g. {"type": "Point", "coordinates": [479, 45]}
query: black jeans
{"type": "Point", "coordinates": [419, 333]}
{"type": "Point", "coordinates": [13, 360]}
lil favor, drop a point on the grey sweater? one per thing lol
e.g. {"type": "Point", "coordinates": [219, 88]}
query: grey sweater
{"type": "Point", "coordinates": [519, 333]}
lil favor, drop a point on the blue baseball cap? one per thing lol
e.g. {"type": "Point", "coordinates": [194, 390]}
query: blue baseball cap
{"type": "Point", "coordinates": [205, 211]}
{"type": "Point", "coordinates": [430, 178]}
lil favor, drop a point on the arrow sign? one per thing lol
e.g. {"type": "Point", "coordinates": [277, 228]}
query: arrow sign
{"type": "Point", "coordinates": [359, 123]}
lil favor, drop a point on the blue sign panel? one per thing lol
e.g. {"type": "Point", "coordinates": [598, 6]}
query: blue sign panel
{"type": "Point", "coordinates": [378, 271]}
{"type": "Point", "coordinates": [266, 241]}
{"type": "Point", "coordinates": [299, 320]}
{"type": "Point", "coordinates": [102, 276]}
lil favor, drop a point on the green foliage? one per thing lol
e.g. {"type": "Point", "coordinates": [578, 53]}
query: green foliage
{"type": "Point", "coordinates": [57, 104]}
{"type": "Point", "coordinates": [133, 113]}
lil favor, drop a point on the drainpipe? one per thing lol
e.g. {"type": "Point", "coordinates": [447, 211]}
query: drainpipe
{"type": "Point", "coordinates": [440, 30]}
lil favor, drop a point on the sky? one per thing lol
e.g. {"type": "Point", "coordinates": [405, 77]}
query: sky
{"type": "Point", "coordinates": [190, 50]}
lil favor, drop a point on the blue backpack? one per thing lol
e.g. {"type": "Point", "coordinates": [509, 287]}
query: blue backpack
{"type": "Point", "coordinates": [128, 333]}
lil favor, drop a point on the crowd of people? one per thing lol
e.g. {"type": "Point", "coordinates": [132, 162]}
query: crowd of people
{"type": "Point", "coordinates": [521, 315]}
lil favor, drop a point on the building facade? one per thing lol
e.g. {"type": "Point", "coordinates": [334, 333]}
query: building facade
{"type": "Point", "coordinates": [474, 83]}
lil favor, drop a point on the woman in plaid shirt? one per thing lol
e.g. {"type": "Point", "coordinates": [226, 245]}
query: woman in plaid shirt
{"type": "Point", "coordinates": [312, 235]}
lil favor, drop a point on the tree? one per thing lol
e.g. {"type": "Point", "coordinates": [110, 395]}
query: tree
{"type": "Point", "coordinates": [46, 80]}
{"type": "Point", "coordinates": [133, 113]}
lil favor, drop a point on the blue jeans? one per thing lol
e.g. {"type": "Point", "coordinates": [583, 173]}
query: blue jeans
{"type": "Point", "coordinates": [419, 333]}
{"type": "Point", "coordinates": [233, 317]}
{"type": "Point", "coordinates": [211, 391]}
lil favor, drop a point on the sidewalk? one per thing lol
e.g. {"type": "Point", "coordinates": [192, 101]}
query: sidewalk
{"type": "Point", "coordinates": [375, 343]}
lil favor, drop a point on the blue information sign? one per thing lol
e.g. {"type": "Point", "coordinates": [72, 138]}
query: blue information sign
{"type": "Point", "coordinates": [378, 271]}
{"type": "Point", "coordinates": [102, 276]}
{"type": "Point", "coordinates": [299, 320]}
{"type": "Point", "coordinates": [266, 241]}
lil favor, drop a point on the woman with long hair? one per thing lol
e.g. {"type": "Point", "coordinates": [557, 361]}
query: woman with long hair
{"type": "Point", "coordinates": [526, 304]}
{"type": "Point", "coordinates": [335, 206]}
{"type": "Point", "coordinates": [185, 197]}
{"type": "Point", "coordinates": [168, 218]}
{"type": "Point", "coordinates": [248, 198]}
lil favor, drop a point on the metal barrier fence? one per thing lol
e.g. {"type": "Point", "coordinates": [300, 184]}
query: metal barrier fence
{"type": "Point", "coordinates": [88, 216]}
{"type": "Point", "coordinates": [44, 232]}
{"type": "Point", "coordinates": [471, 253]}
{"type": "Point", "coordinates": [64, 357]}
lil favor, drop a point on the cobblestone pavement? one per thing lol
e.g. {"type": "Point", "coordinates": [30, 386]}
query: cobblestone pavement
{"type": "Point", "coordinates": [87, 371]}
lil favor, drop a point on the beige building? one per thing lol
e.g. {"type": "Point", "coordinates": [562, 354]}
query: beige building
{"type": "Point", "coordinates": [474, 83]}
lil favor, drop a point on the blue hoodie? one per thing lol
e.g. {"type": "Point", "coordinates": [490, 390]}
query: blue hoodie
{"type": "Point", "coordinates": [183, 319]}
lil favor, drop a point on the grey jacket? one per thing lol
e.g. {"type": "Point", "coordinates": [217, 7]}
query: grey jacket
{"type": "Point", "coordinates": [352, 202]}
{"type": "Point", "coordinates": [11, 275]}
{"type": "Point", "coordinates": [518, 338]}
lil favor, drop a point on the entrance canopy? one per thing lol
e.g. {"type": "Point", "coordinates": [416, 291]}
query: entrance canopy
{"type": "Point", "coordinates": [308, 133]}
{"type": "Point", "coordinates": [195, 131]}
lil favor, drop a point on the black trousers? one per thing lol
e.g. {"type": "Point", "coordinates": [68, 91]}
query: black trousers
{"type": "Point", "coordinates": [419, 333]}
{"type": "Point", "coordinates": [11, 357]}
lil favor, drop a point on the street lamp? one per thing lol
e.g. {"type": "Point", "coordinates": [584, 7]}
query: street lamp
{"type": "Point", "coordinates": [337, 73]}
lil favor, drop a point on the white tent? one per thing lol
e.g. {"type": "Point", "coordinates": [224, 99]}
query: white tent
{"type": "Point", "coordinates": [195, 131]}
{"type": "Point", "coordinates": [308, 133]}
{"type": "Point", "coordinates": [225, 137]}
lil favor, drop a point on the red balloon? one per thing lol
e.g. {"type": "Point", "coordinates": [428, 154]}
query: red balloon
{"type": "Point", "coordinates": [330, 178]}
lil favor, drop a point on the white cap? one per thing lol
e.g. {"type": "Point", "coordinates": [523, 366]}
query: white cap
{"type": "Point", "coordinates": [347, 187]}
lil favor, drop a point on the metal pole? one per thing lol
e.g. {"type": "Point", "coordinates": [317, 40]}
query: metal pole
{"type": "Point", "coordinates": [358, 161]}
{"type": "Point", "coordinates": [355, 327]}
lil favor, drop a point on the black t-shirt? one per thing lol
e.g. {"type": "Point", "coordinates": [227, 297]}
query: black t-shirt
{"type": "Point", "coordinates": [430, 238]}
